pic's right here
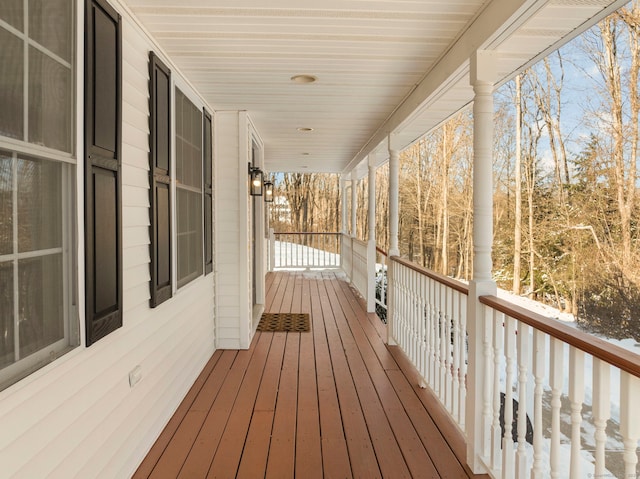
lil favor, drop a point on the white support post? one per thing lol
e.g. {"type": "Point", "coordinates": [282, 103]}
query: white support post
{"type": "Point", "coordinates": [394, 179]}
{"type": "Point", "coordinates": [354, 206]}
{"type": "Point", "coordinates": [483, 73]}
{"type": "Point", "coordinates": [343, 219]}
{"type": "Point", "coordinates": [371, 246]}
{"type": "Point", "coordinates": [343, 192]}
{"type": "Point", "coordinates": [372, 203]}
{"type": "Point", "coordinates": [394, 250]}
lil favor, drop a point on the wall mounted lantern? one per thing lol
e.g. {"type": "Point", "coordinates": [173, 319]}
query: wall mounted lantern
{"type": "Point", "coordinates": [255, 177]}
{"type": "Point", "coordinates": [268, 192]}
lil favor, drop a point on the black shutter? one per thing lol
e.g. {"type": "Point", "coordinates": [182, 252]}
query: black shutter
{"type": "Point", "coordinates": [102, 162]}
{"type": "Point", "coordinates": [208, 194]}
{"type": "Point", "coordinates": [159, 176]}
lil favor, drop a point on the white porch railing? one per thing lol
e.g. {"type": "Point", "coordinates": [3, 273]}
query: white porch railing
{"type": "Point", "coordinates": [580, 392]}
{"type": "Point", "coordinates": [427, 319]}
{"type": "Point", "coordinates": [358, 262]}
{"type": "Point", "coordinates": [555, 402]}
{"type": "Point", "coordinates": [305, 250]}
{"type": "Point", "coordinates": [347, 254]}
{"type": "Point", "coordinates": [359, 272]}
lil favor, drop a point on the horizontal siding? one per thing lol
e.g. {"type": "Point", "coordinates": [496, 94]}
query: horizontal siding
{"type": "Point", "coordinates": [135, 196]}
{"type": "Point", "coordinates": [78, 417]}
{"type": "Point", "coordinates": [228, 254]}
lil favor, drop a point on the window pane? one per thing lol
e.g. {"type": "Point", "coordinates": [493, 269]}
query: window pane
{"type": "Point", "coordinates": [40, 205]}
{"type": "Point", "coordinates": [189, 235]}
{"type": "Point", "coordinates": [189, 203]}
{"type": "Point", "coordinates": [6, 204]}
{"type": "Point", "coordinates": [11, 11]}
{"type": "Point", "coordinates": [49, 102]}
{"type": "Point", "coordinates": [6, 314]}
{"type": "Point", "coordinates": [50, 25]}
{"type": "Point", "coordinates": [11, 85]}
{"type": "Point", "coordinates": [188, 142]}
{"type": "Point", "coordinates": [40, 306]}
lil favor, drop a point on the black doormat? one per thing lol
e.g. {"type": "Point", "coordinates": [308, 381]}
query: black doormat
{"type": "Point", "coordinates": [285, 322]}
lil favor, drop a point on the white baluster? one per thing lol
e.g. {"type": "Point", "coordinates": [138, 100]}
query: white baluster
{"type": "Point", "coordinates": [436, 334]}
{"type": "Point", "coordinates": [462, 345]}
{"type": "Point", "coordinates": [601, 411]}
{"type": "Point", "coordinates": [576, 396]}
{"type": "Point", "coordinates": [556, 381]}
{"type": "Point", "coordinates": [417, 325]}
{"type": "Point", "coordinates": [455, 316]}
{"type": "Point", "coordinates": [433, 341]}
{"type": "Point", "coordinates": [507, 439]}
{"type": "Point", "coordinates": [424, 315]}
{"type": "Point", "coordinates": [402, 309]}
{"type": "Point", "coordinates": [487, 411]}
{"type": "Point", "coordinates": [448, 307]}
{"type": "Point", "coordinates": [430, 336]}
{"type": "Point", "coordinates": [629, 421]}
{"type": "Point", "coordinates": [539, 355]}
{"type": "Point", "coordinates": [523, 371]}
{"type": "Point", "coordinates": [442, 360]}
{"type": "Point", "coordinates": [411, 338]}
{"type": "Point", "coordinates": [496, 439]}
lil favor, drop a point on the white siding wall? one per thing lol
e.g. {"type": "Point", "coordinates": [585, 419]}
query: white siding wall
{"type": "Point", "coordinates": [78, 417]}
{"type": "Point", "coordinates": [234, 310]}
{"type": "Point", "coordinates": [231, 242]}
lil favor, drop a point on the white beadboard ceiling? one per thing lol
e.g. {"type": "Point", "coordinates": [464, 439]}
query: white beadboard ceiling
{"type": "Point", "coordinates": [383, 66]}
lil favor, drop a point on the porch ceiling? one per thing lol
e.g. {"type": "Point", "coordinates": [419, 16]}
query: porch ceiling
{"type": "Point", "coordinates": [398, 66]}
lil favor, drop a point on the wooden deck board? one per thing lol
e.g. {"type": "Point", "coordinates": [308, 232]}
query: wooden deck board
{"type": "Point", "coordinates": [334, 402]}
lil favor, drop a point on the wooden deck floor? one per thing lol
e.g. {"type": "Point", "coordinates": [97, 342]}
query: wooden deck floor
{"type": "Point", "coordinates": [335, 402]}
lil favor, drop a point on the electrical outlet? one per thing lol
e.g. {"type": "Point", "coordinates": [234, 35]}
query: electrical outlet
{"type": "Point", "coordinates": [135, 375]}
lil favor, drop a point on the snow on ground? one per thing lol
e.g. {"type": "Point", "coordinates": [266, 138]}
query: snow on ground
{"type": "Point", "coordinates": [292, 255]}
{"type": "Point", "coordinates": [536, 306]}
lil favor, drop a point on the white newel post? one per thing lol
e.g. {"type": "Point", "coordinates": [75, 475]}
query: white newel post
{"type": "Point", "coordinates": [394, 250]}
{"type": "Point", "coordinates": [482, 75]}
{"type": "Point", "coordinates": [371, 245]}
{"type": "Point", "coordinates": [272, 252]}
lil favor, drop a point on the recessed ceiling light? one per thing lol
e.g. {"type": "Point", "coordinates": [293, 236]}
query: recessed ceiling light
{"type": "Point", "coordinates": [303, 79]}
{"type": "Point", "coordinates": [304, 129]}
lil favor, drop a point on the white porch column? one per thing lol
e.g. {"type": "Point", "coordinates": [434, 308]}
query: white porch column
{"type": "Point", "coordinates": [372, 203]}
{"type": "Point", "coordinates": [483, 73]}
{"type": "Point", "coordinates": [343, 194]}
{"type": "Point", "coordinates": [394, 250]}
{"type": "Point", "coordinates": [371, 245]}
{"type": "Point", "coordinates": [354, 205]}
{"type": "Point", "coordinates": [394, 179]}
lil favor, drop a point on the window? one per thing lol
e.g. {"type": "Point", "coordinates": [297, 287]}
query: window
{"type": "Point", "coordinates": [36, 177]}
{"type": "Point", "coordinates": [188, 189]}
